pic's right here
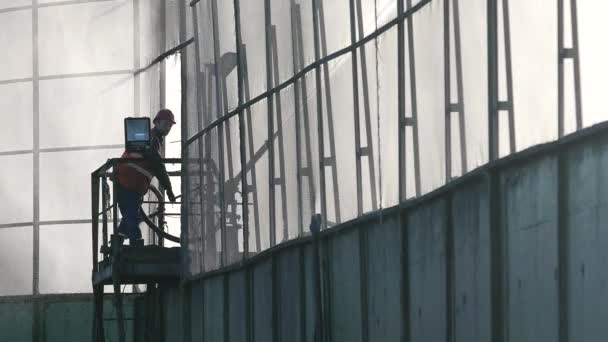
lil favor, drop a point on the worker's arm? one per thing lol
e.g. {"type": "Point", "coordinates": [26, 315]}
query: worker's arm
{"type": "Point", "coordinates": [159, 170]}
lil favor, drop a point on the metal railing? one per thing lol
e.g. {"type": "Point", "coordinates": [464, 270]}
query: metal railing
{"type": "Point", "coordinates": [106, 212]}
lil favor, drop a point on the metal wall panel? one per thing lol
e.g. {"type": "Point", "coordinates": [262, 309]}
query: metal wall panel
{"type": "Point", "coordinates": [196, 311]}
{"type": "Point", "coordinates": [345, 287]}
{"type": "Point", "coordinates": [384, 278]}
{"type": "Point", "coordinates": [427, 272]}
{"type": "Point", "coordinates": [587, 190]}
{"type": "Point", "coordinates": [16, 321]}
{"type": "Point", "coordinates": [213, 309]}
{"type": "Point", "coordinates": [262, 301]}
{"type": "Point", "coordinates": [472, 299]}
{"type": "Point", "coordinates": [290, 291]}
{"type": "Point", "coordinates": [172, 313]}
{"type": "Point", "coordinates": [529, 220]}
{"type": "Point", "coordinates": [309, 297]}
{"type": "Point", "coordinates": [237, 307]}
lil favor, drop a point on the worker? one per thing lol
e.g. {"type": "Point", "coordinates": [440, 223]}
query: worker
{"type": "Point", "coordinates": [134, 177]}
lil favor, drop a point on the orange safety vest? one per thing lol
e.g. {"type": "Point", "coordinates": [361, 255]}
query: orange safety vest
{"type": "Point", "coordinates": [134, 175]}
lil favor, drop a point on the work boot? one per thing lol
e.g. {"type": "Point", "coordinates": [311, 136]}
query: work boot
{"type": "Point", "coordinates": [136, 242]}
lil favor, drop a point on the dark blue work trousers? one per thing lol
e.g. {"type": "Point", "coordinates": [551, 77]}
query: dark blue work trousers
{"type": "Point", "coordinates": [129, 203]}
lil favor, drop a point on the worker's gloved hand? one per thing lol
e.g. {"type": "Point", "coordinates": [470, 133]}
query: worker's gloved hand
{"type": "Point", "coordinates": [171, 195]}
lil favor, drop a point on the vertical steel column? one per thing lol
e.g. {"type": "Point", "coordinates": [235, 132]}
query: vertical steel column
{"type": "Point", "coordinates": [325, 300]}
{"type": "Point", "coordinates": [298, 115]}
{"type": "Point", "coordinates": [243, 143]}
{"type": "Point", "coordinates": [210, 168]}
{"type": "Point", "coordinates": [105, 196]}
{"type": "Point", "coordinates": [563, 185]}
{"type": "Point", "coordinates": [231, 237]}
{"type": "Point", "coordinates": [97, 299]}
{"type": "Point", "coordinates": [496, 233]}
{"type": "Point", "coordinates": [163, 95]}
{"type": "Point", "coordinates": [492, 19]}
{"type": "Point", "coordinates": [331, 160]}
{"type": "Point", "coordinates": [402, 179]}
{"type": "Point", "coordinates": [302, 298]}
{"type": "Point", "coordinates": [276, 298]}
{"type": "Point", "coordinates": [568, 53]}
{"type": "Point", "coordinates": [413, 99]}
{"type": "Point", "coordinates": [254, 186]}
{"type": "Point", "coordinates": [458, 106]}
{"type": "Point", "coordinates": [450, 270]}
{"type": "Point", "coordinates": [319, 333]}
{"type": "Point", "coordinates": [270, 141]}
{"type": "Point", "coordinates": [497, 259]}
{"type": "Point", "coordinates": [447, 91]}
{"type": "Point", "coordinates": [406, 310]}
{"type": "Point", "coordinates": [368, 150]}
{"type": "Point", "coordinates": [95, 218]}
{"type": "Point", "coordinates": [308, 169]}
{"type": "Point", "coordinates": [201, 101]}
{"type": "Point", "coordinates": [249, 305]}
{"type": "Point", "coordinates": [321, 134]}
{"type": "Point", "coordinates": [185, 184]}
{"type": "Point", "coordinates": [460, 87]}
{"type": "Point", "coordinates": [220, 129]}
{"type": "Point", "coordinates": [363, 282]}
{"type": "Point", "coordinates": [136, 59]}
{"type": "Point", "coordinates": [560, 68]}
{"type": "Point", "coordinates": [508, 104]}
{"type": "Point", "coordinates": [186, 302]}
{"type": "Point", "coordinates": [226, 305]}
{"type": "Point", "coordinates": [36, 150]}
{"type": "Point", "coordinates": [577, 65]}
{"type": "Point", "coordinates": [281, 180]}
{"type": "Point", "coordinates": [357, 118]}
{"type": "Point", "coordinates": [162, 82]}
{"type": "Point", "coordinates": [163, 64]}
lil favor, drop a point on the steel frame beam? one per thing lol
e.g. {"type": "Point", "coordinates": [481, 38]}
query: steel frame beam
{"type": "Point", "coordinates": [458, 107]}
{"type": "Point", "coordinates": [492, 32]}
{"type": "Point", "coordinates": [402, 179]}
{"type": "Point", "coordinates": [356, 113]}
{"type": "Point", "coordinates": [36, 149]}
{"type": "Point", "coordinates": [331, 160]}
{"type": "Point", "coordinates": [563, 232]}
{"type": "Point", "coordinates": [298, 114]}
{"type": "Point", "coordinates": [242, 132]}
{"type": "Point", "coordinates": [320, 132]}
{"type": "Point", "coordinates": [253, 188]}
{"type": "Point", "coordinates": [281, 179]}
{"type": "Point", "coordinates": [508, 104]}
{"type": "Point", "coordinates": [369, 148]}
{"type": "Point", "coordinates": [270, 121]}
{"type": "Point", "coordinates": [306, 170]}
{"type": "Point", "coordinates": [413, 99]}
{"type": "Point", "coordinates": [568, 53]}
{"type": "Point", "coordinates": [218, 84]}
{"type": "Point", "coordinates": [200, 104]}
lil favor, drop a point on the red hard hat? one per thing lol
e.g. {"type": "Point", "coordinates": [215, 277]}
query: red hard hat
{"type": "Point", "coordinates": [164, 114]}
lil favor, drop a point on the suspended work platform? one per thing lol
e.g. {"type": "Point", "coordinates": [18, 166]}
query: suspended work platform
{"type": "Point", "coordinates": [115, 262]}
{"type": "Point", "coordinates": [139, 265]}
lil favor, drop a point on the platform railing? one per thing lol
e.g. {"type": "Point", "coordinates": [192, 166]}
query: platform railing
{"type": "Point", "coordinates": [104, 210]}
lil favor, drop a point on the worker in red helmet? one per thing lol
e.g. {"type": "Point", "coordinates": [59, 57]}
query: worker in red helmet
{"type": "Point", "coordinates": [134, 178]}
